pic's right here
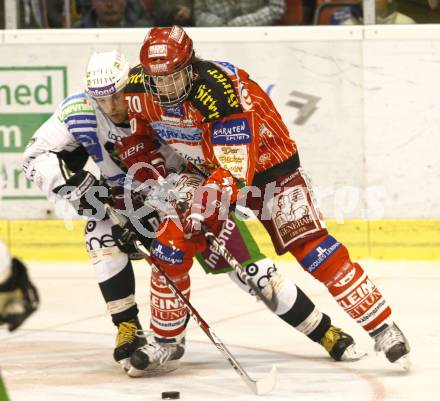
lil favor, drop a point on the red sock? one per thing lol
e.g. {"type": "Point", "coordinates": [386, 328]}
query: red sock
{"type": "Point", "coordinates": [329, 262]}
{"type": "Point", "coordinates": [168, 315]}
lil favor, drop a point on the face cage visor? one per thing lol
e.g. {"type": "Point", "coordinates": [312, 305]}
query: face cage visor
{"type": "Point", "coordinates": [172, 89]}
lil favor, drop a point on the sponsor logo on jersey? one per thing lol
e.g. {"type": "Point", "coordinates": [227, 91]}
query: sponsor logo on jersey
{"type": "Point", "coordinates": [166, 254]}
{"type": "Point", "coordinates": [81, 106]}
{"type": "Point", "coordinates": [169, 133]}
{"type": "Point", "coordinates": [102, 91]}
{"type": "Point", "coordinates": [193, 159]}
{"type": "Point", "coordinates": [233, 159]}
{"type": "Point", "coordinates": [193, 153]}
{"type": "Point", "coordinates": [214, 95]}
{"type": "Point", "coordinates": [136, 78]}
{"type": "Point", "coordinates": [231, 132]}
{"type": "Point", "coordinates": [227, 85]}
{"type": "Point", "coordinates": [177, 122]}
{"type": "Point", "coordinates": [176, 111]}
{"type": "Point", "coordinates": [174, 121]}
{"type": "Point", "coordinates": [320, 254]}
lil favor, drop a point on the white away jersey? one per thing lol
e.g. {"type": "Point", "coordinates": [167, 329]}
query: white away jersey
{"type": "Point", "coordinates": [77, 121]}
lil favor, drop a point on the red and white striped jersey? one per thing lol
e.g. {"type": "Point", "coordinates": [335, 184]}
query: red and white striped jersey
{"type": "Point", "coordinates": [227, 121]}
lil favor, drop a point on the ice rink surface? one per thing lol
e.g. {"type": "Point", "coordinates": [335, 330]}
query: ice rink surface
{"type": "Point", "coordinates": [64, 352]}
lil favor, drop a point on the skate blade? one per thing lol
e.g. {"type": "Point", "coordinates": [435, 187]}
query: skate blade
{"type": "Point", "coordinates": [352, 353]}
{"type": "Point", "coordinates": [156, 371]}
{"type": "Point", "coordinates": [125, 364]}
{"type": "Point", "coordinates": [404, 362]}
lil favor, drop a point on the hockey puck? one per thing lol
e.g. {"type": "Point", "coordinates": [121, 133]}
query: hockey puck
{"type": "Point", "coordinates": [170, 395]}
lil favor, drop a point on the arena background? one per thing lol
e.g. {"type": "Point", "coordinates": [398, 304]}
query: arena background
{"type": "Point", "coordinates": [361, 102]}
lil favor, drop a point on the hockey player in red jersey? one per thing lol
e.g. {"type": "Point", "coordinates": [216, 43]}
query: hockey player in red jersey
{"type": "Point", "coordinates": [87, 125]}
{"type": "Point", "coordinates": [216, 117]}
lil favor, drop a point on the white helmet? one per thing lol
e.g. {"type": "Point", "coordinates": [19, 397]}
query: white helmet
{"type": "Point", "coordinates": [5, 263]}
{"type": "Point", "coordinates": [107, 73]}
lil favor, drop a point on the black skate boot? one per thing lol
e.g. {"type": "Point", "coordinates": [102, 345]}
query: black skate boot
{"type": "Point", "coordinates": [158, 356]}
{"type": "Point", "coordinates": [390, 340]}
{"type": "Point", "coordinates": [127, 342]}
{"type": "Point", "coordinates": [340, 345]}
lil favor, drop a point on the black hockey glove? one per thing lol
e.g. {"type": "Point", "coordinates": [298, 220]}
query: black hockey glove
{"type": "Point", "coordinates": [85, 194]}
{"type": "Point", "coordinates": [141, 226]}
{"type": "Point", "coordinates": [18, 297]}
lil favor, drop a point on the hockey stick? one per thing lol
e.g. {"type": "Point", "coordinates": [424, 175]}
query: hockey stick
{"type": "Point", "coordinates": [212, 239]}
{"type": "Point", "coordinates": [260, 386]}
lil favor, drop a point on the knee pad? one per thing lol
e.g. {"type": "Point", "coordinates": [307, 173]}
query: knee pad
{"type": "Point", "coordinates": [260, 272]}
{"type": "Point", "coordinates": [267, 278]}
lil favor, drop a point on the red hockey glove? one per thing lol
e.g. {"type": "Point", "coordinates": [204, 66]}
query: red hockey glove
{"type": "Point", "coordinates": [211, 204]}
{"type": "Point", "coordinates": [226, 183]}
{"type": "Point", "coordinates": [136, 149]}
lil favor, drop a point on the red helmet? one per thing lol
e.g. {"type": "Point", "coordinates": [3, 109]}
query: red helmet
{"type": "Point", "coordinates": [166, 59]}
{"type": "Point", "coordinates": [166, 50]}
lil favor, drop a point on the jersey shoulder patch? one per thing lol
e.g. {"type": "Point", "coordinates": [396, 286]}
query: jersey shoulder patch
{"type": "Point", "coordinates": [135, 80]}
{"type": "Point", "coordinates": [229, 68]}
{"type": "Point", "coordinates": [77, 104]}
{"type": "Point", "coordinates": [213, 92]}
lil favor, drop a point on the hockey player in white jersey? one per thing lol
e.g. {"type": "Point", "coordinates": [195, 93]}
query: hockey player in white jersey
{"type": "Point", "coordinates": [88, 124]}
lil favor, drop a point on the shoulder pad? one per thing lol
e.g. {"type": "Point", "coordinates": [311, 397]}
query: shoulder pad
{"type": "Point", "coordinates": [213, 93]}
{"type": "Point", "coordinates": [76, 104]}
{"type": "Point", "coordinates": [135, 82]}
{"type": "Point", "coordinates": [229, 68]}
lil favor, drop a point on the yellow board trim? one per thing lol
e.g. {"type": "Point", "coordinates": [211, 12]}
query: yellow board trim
{"type": "Point", "coordinates": [45, 240]}
{"type": "Point", "coordinates": [383, 239]}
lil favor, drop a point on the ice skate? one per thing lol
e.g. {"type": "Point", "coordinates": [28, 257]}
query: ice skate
{"type": "Point", "coordinates": [127, 342]}
{"type": "Point", "coordinates": [340, 345]}
{"type": "Point", "coordinates": [157, 356]}
{"type": "Point", "coordinates": [393, 343]}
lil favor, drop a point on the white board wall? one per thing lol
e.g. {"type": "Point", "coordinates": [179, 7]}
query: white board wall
{"type": "Point", "coordinates": [370, 144]}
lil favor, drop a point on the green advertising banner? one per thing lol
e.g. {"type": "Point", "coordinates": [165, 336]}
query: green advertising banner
{"type": "Point", "coordinates": [28, 97]}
